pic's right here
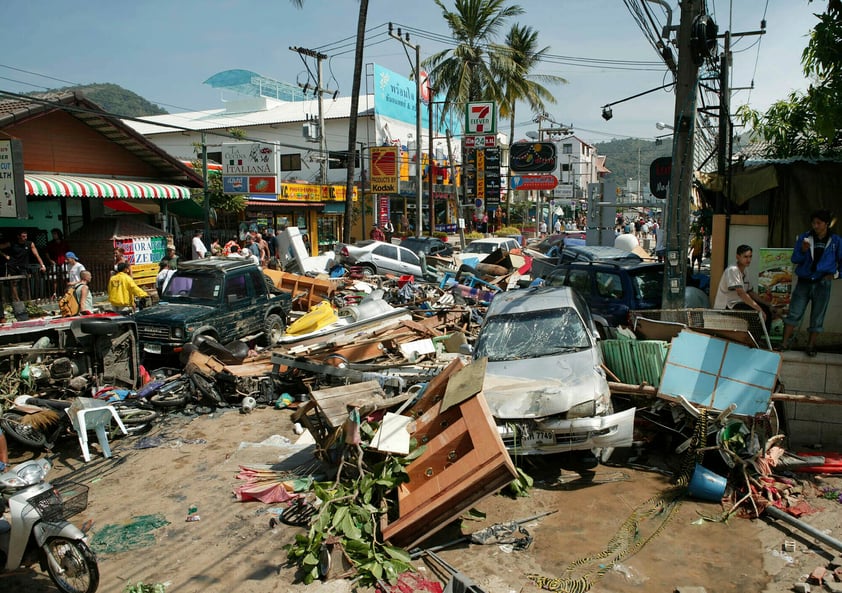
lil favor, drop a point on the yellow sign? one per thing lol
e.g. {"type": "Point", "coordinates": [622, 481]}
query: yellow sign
{"type": "Point", "coordinates": [305, 192]}
{"type": "Point", "coordinates": [384, 169]}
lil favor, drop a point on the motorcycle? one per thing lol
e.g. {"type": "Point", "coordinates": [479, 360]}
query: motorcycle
{"type": "Point", "coordinates": [37, 529]}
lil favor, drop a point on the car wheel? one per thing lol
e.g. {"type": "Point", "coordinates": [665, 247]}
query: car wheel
{"type": "Point", "coordinates": [273, 330]}
{"type": "Point", "coordinates": [98, 326]}
{"type": "Point", "coordinates": [368, 270]}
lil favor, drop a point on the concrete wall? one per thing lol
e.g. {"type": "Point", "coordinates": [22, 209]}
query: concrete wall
{"type": "Point", "coordinates": [813, 424]}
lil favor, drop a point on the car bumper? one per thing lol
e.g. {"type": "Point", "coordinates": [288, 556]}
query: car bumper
{"type": "Point", "coordinates": [550, 435]}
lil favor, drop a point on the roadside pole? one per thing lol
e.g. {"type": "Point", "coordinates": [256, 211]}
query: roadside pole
{"type": "Point", "coordinates": [460, 217]}
{"type": "Point", "coordinates": [678, 200]}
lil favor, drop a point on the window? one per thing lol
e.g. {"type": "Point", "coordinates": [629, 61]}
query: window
{"type": "Point", "coordinates": [236, 286]}
{"type": "Point", "coordinates": [409, 257]}
{"type": "Point", "coordinates": [580, 281]}
{"type": "Point", "coordinates": [291, 162]}
{"type": "Point", "coordinates": [609, 285]}
{"type": "Point", "coordinates": [567, 148]}
{"type": "Point", "coordinates": [339, 160]}
{"type": "Point", "coordinates": [387, 251]}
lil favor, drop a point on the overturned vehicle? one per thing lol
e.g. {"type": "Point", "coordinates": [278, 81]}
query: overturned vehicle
{"type": "Point", "coordinates": [544, 381]}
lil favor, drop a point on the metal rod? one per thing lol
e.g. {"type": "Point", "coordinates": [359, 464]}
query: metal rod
{"type": "Point", "coordinates": [809, 529]}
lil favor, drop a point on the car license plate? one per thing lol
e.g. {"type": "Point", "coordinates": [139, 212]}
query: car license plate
{"type": "Point", "coordinates": [152, 348]}
{"type": "Point", "coordinates": [538, 438]}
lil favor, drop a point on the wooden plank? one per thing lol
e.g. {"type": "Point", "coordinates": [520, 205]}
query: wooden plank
{"type": "Point", "coordinates": [334, 402]}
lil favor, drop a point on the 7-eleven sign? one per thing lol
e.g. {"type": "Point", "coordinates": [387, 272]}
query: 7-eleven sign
{"type": "Point", "coordinates": [481, 118]}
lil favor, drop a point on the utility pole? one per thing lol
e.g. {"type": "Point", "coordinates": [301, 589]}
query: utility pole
{"type": "Point", "coordinates": [319, 57]}
{"type": "Point", "coordinates": [419, 190]}
{"type": "Point", "coordinates": [678, 200]}
{"type": "Point", "coordinates": [432, 161]}
{"type": "Point", "coordinates": [205, 194]}
{"type": "Point", "coordinates": [724, 119]}
{"type": "Point", "coordinates": [460, 220]}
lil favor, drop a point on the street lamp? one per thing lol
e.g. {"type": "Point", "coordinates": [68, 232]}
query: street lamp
{"type": "Point", "coordinates": [662, 126]}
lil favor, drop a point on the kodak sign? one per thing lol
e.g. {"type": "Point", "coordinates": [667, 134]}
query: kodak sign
{"type": "Point", "coordinates": [384, 169]}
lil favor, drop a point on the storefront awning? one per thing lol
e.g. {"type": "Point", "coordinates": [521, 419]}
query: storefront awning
{"type": "Point", "coordinates": [94, 187]}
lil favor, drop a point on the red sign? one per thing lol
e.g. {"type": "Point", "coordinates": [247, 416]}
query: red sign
{"type": "Point", "coordinates": [384, 169]}
{"type": "Point", "coordinates": [532, 182]}
{"type": "Point", "coordinates": [485, 141]}
{"type": "Point", "coordinates": [262, 185]}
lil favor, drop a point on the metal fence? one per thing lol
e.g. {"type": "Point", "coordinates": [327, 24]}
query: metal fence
{"type": "Point", "coordinates": [715, 320]}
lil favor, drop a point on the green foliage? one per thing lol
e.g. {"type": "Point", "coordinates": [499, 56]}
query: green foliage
{"type": "Point", "coordinates": [506, 231]}
{"type": "Point", "coordinates": [808, 124]}
{"type": "Point", "coordinates": [351, 511]}
{"type": "Point", "coordinates": [141, 587]}
{"type": "Point", "coordinates": [115, 99]}
{"type": "Point", "coordinates": [521, 485]}
{"type": "Point", "coordinates": [470, 236]}
{"type": "Point", "coordinates": [622, 158]}
{"type": "Point", "coordinates": [219, 200]}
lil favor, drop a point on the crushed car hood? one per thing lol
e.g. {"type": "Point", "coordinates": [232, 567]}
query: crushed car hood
{"type": "Point", "coordinates": [540, 387]}
{"type": "Point", "coordinates": [167, 313]}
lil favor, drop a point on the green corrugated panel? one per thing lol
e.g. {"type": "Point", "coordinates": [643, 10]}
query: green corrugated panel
{"type": "Point", "coordinates": [636, 361]}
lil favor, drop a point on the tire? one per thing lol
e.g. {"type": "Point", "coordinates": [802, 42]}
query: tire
{"type": "Point", "coordinates": [206, 388]}
{"type": "Point", "coordinates": [27, 436]}
{"type": "Point", "coordinates": [71, 565]}
{"type": "Point", "coordinates": [273, 330]}
{"type": "Point", "coordinates": [368, 270]}
{"type": "Point", "coordinates": [171, 398]}
{"type": "Point", "coordinates": [98, 327]}
{"type": "Point", "coordinates": [131, 416]}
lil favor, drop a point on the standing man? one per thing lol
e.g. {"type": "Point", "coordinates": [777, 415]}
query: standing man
{"type": "Point", "coordinates": [557, 226]}
{"type": "Point", "coordinates": [84, 294]}
{"type": "Point", "coordinates": [198, 249]}
{"type": "Point", "coordinates": [817, 256]}
{"type": "Point", "coordinates": [660, 242]}
{"type": "Point", "coordinates": [388, 230]}
{"type": "Point", "coordinates": [21, 253]}
{"type": "Point", "coordinates": [122, 290]}
{"type": "Point", "coordinates": [74, 268]}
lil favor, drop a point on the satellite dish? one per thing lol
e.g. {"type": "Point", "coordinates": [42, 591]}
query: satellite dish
{"type": "Point", "coordinates": [532, 134]}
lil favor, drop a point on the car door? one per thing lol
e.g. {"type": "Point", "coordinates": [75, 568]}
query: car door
{"type": "Point", "coordinates": [385, 258]}
{"type": "Point", "coordinates": [609, 297]}
{"type": "Point", "coordinates": [410, 263]}
{"type": "Point", "coordinates": [235, 322]}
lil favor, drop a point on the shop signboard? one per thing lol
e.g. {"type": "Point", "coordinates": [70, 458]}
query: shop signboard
{"type": "Point", "coordinates": [532, 182]}
{"type": "Point", "coordinates": [532, 157]}
{"type": "Point", "coordinates": [250, 167]}
{"type": "Point", "coordinates": [481, 118]}
{"type": "Point", "coordinates": [384, 169]}
{"type": "Point", "coordinates": [775, 272]}
{"type": "Point", "coordinates": [12, 192]}
{"type": "Point", "coordinates": [143, 253]}
{"type": "Point", "coordinates": [301, 192]}
{"type": "Point", "coordinates": [660, 171]}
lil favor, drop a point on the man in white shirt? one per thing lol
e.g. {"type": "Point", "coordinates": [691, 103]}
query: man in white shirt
{"type": "Point", "coordinates": [198, 247]}
{"type": "Point", "coordinates": [74, 268]}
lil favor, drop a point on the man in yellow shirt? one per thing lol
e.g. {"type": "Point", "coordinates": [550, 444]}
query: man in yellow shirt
{"type": "Point", "coordinates": [122, 290]}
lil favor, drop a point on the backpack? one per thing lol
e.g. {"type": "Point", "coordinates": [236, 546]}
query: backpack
{"type": "Point", "coordinates": [68, 304]}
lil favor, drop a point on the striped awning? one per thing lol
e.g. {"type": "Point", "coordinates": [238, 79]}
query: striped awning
{"type": "Point", "coordinates": [93, 187]}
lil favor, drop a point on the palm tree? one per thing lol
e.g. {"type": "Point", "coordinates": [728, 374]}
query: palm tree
{"type": "Point", "coordinates": [352, 117]}
{"type": "Point", "coordinates": [465, 73]}
{"type": "Point", "coordinates": [514, 63]}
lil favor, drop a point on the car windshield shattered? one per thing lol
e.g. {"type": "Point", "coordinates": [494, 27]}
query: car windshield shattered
{"type": "Point", "coordinates": [479, 247]}
{"type": "Point", "coordinates": [532, 334]}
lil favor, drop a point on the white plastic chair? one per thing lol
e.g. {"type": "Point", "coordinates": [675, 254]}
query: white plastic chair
{"type": "Point", "coordinates": [92, 414]}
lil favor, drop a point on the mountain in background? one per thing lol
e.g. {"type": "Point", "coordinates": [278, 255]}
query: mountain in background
{"type": "Point", "coordinates": [115, 99]}
{"type": "Point", "coordinates": [622, 158]}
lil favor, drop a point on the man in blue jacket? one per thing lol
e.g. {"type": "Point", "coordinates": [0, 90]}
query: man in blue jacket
{"type": "Point", "coordinates": [817, 256]}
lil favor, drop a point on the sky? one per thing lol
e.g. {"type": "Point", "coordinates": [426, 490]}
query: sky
{"type": "Point", "coordinates": [163, 50]}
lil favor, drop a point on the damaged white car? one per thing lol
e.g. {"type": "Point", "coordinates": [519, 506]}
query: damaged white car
{"type": "Point", "coordinates": [544, 380]}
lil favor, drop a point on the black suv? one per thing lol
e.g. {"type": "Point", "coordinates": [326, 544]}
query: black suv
{"type": "Point", "coordinates": [428, 246]}
{"type": "Point", "coordinates": [613, 287]}
{"type": "Point", "coordinates": [221, 298]}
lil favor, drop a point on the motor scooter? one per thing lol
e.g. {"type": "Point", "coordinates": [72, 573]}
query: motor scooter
{"type": "Point", "coordinates": [37, 529]}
